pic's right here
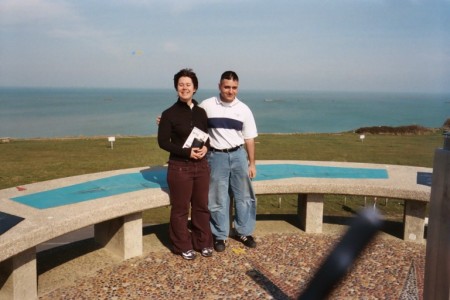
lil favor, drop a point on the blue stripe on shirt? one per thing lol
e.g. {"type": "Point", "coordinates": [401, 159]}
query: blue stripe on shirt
{"type": "Point", "coordinates": [225, 123]}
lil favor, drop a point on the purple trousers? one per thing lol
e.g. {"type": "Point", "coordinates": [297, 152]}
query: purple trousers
{"type": "Point", "coordinates": [189, 185]}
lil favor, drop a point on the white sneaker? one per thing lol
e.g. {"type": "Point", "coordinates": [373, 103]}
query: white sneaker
{"type": "Point", "coordinates": [189, 255]}
{"type": "Point", "coordinates": [207, 252]}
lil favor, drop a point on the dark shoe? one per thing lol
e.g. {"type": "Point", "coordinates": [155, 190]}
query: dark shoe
{"type": "Point", "coordinates": [219, 245]}
{"type": "Point", "coordinates": [207, 252]}
{"type": "Point", "coordinates": [247, 240]}
{"type": "Point", "coordinates": [189, 255]}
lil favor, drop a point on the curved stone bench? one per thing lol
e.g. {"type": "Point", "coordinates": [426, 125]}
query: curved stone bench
{"type": "Point", "coordinates": [412, 184]}
{"type": "Point", "coordinates": [117, 219]}
{"type": "Point", "coordinates": [114, 201]}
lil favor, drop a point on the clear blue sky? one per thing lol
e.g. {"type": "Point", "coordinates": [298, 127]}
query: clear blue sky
{"type": "Point", "coordinates": [348, 45]}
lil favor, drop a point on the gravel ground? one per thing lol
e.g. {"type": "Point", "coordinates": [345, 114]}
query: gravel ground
{"type": "Point", "coordinates": [279, 268]}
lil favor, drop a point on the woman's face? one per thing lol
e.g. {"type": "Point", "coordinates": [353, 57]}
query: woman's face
{"type": "Point", "coordinates": [185, 89]}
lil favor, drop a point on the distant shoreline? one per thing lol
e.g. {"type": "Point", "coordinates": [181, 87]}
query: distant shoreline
{"type": "Point", "coordinates": [398, 130]}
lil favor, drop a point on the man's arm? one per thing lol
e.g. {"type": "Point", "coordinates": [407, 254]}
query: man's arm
{"type": "Point", "coordinates": [250, 147]}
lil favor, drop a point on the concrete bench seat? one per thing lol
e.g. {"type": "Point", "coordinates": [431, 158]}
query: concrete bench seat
{"type": "Point", "coordinates": [114, 201]}
{"type": "Point", "coordinates": [117, 220]}
{"type": "Point", "coordinates": [412, 184]}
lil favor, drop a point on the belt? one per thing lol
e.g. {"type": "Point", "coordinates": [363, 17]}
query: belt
{"type": "Point", "coordinates": [226, 150]}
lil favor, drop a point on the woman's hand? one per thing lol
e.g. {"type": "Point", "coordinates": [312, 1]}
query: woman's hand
{"type": "Point", "coordinates": [199, 153]}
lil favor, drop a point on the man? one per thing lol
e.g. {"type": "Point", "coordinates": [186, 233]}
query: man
{"type": "Point", "coordinates": [231, 125]}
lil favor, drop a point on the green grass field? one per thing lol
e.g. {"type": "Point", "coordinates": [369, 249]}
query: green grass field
{"type": "Point", "coordinates": [28, 161]}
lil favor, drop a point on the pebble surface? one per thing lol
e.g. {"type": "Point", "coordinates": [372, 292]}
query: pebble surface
{"type": "Point", "coordinates": [279, 268]}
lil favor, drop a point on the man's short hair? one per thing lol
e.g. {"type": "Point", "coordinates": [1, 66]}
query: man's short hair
{"type": "Point", "coordinates": [229, 75]}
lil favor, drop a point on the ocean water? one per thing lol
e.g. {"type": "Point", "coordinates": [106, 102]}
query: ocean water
{"type": "Point", "coordinates": [67, 112]}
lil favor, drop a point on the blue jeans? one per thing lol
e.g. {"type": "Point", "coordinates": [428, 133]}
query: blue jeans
{"type": "Point", "coordinates": [229, 176]}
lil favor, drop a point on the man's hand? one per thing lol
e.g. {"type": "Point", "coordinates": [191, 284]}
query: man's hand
{"type": "Point", "coordinates": [252, 171]}
{"type": "Point", "coordinates": [158, 120]}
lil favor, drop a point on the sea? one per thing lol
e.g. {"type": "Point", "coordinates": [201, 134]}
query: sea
{"type": "Point", "coordinates": [89, 112]}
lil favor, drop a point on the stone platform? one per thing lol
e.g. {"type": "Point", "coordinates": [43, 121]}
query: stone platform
{"type": "Point", "coordinates": [279, 268]}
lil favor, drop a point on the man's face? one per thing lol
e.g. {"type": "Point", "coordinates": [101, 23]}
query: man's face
{"type": "Point", "coordinates": [228, 90]}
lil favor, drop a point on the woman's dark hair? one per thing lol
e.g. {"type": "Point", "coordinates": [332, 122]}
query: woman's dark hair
{"type": "Point", "coordinates": [229, 75]}
{"type": "Point", "coordinates": [185, 73]}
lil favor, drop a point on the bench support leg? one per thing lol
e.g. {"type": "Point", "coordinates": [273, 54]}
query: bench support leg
{"type": "Point", "coordinates": [18, 276]}
{"type": "Point", "coordinates": [310, 211]}
{"type": "Point", "coordinates": [122, 236]}
{"type": "Point", "coordinates": [414, 221]}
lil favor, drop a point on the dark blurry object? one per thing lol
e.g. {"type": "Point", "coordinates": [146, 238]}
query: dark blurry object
{"type": "Point", "coordinates": [362, 229]}
{"type": "Point", "coordinates": [196, 143]}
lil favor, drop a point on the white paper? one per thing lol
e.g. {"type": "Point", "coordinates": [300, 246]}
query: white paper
{"type": "Point", "coordinates": [195, 134]}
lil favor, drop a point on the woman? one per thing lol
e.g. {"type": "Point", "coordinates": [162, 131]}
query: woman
{"type": "Point", "coordinates": [188, 170]}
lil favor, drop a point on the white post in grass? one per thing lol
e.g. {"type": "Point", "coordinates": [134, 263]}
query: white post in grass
{"type": "Point", "coordinates": [112, 139]}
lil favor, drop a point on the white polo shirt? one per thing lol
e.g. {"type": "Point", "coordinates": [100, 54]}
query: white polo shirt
{"type": "Point", "coordinates": [228, 123]}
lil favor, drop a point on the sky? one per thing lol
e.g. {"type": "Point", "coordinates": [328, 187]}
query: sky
{"type": "Point", "coordinates": [310, 45]}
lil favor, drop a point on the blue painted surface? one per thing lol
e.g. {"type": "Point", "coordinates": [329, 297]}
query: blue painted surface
{"type": "Point", "coordinates": [279, 171]}
{"type": "Point", "coordinates": [94, 189]}
{"type": "Point", "coordinates": [146, 179]}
